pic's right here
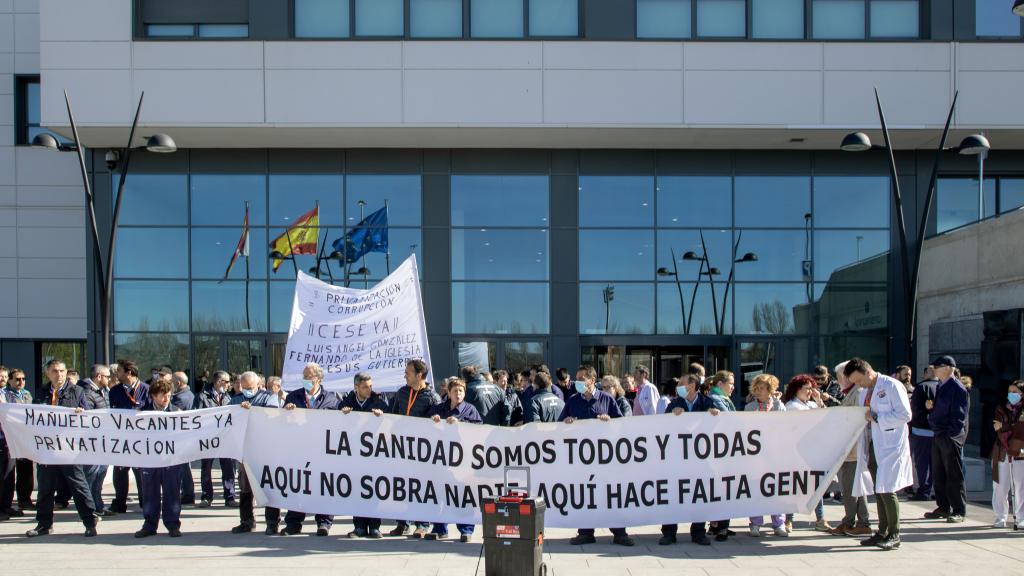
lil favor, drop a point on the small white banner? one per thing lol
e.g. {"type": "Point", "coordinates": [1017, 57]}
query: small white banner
{"type": "Point", "coordinates": [348, 330]}
{"type": "Point", "coordinates": [56, 435]}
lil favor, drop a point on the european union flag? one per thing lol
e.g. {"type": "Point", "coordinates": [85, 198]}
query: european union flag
{"type": "Point", "coordinates": [370, 235]}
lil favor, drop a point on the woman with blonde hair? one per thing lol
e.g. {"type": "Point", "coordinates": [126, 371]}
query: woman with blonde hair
{"type": "Point", "coordinates": [610, 385]}
{"type": "Point", "coordinates": [763, 389]}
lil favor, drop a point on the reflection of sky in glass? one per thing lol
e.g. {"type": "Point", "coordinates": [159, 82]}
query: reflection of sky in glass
{"type": "Point", "coordinates": [617, 255]}
{"type": "Point", "coordinates": [499, 200]}
{"type": "Point", "coordinates": [499, 308]}
{"type": "Point", "coordinates": [631, 310]}
{"type": "Point", "coordinates": [956, 202]}
{"type": "Point", "coordinates": [402, 192]}
{"type": "Point", "coordinates": [220, 307]}
{"type": "Point", "coordinates": [994, 18]}
{"type": "Point", "coordinates": [780, 255]}
{"type": "Point", "coordinates": [689, 201]}
{"type": "Point", "coordinates": [154, 199]}
{"type": "Point", "coordinates": [292, 195]}
{"type": "Point", "coordinates": [774, 304]}
{"type": "Point", "coordinates": [1011, 194]}
{"type": "Point", "coordinates": [837, 249]}
{"type": "Point", "coordinates": [719, 245]}
{"type": "Point", "coordinates": [496, 254]}
{"type": "Point", "coordinates": [220, 199]}
{"type": "Point", "coordinates": [851, 201]}
{"type": "Point", "coordinates": [212, 249]}
{"type": "Point", "coordinates": [282, 296]}
{"type": "Point", "coordinates": [151, 253]}
{"type": "Point", "coordinates": [144, 306]}
{"type": "Point", "coordinates": [702, 310]}
{"type": "Point", "coordinates": [772, 201]}
{"type": "Point", "coordinates": [616, 201]}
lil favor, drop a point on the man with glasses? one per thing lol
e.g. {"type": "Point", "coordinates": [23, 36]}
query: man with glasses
{"type": "Point", "coordinates": [831, 391]}
{"type": "Point", "coordinates": [24, 472]}
{"type": "Point", "coordinates": [213, 396]}
{"type": "Point", "coordinates": [96, 391]}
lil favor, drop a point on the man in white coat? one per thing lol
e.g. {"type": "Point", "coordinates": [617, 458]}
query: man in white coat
{"type": "Point", "coordinates": [884, 448]}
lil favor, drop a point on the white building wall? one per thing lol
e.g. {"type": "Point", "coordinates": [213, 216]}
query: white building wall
{"type": "Point", "coordinates": [42, 218]}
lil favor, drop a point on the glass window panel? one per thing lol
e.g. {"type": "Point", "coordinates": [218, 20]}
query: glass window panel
{"type": "Point", "coordinates": [687, 201]}
{"type": "Point", "coordinates": [292, 195]}
{"type": "Point", "coordinates": [770, 308]}
{"type": "Point", "coordinates": [170, 30]}
{"type": "Point", "coordinates": [496, 18]}
{"type": "Point", "coordinates": [851, 201]}
{"type": "Point", "coordinates": [851, 255]}
{"type": "Point", "coordinates": [994, 18]}
{"type": "Point", "coordinates": [304, 262]}
{"type": "Point", "coordinates": [777, 18]}
{"type": "Point", "coordinates": [663, 18]}
{"type": "Point", "coordinates": [205, 357]}
{"type": "Point", "coordinates": [837, 19]}
{"type": "Point", "coordinates": [151, 351]}
{"type": "Point", "coordinates": [956, 202]}
{"type": "Point", "coordinates": [851, 308]}
{"type": "Point", "coordinates": [616, 201]}
{"type": "Point", "coordinates": [150, 306]}
{"type": "Point", "coordinates": [701, 310]}
{"type": "Point", "coordinates": [520, 356]}
{"type": "Point", "coordinates": [523, 309]}
{"type": "Point", "coordinates": [223, 30]}
{"type": "Point", "coordinates": [219, 199]}
{"type": "Point", "coordinates": [780, 255]}
{"type": "Point", "coordinates": [401, 241]}
{"type": "Point", "coordinates": [836, 349]}
{"type": "Point", "coordinates": [772, 201]}
{"type": "Point", "coordinates": [212, 249]}
{"type": "Point", "coordinates": [617, 255]}
{"type": "Point", "coordinates": [32, 103]}
{"type": "Point", "coordinates": [380, 18]}
{"type": "Point", "coordinates": [499, 200]}
{"type": "Point", "coordinates": [401, 191]}
{"type": "Point", "coordinates": [894, 19]}
{"type": "Point", "coordinates": [321, 18]}
{"type": "Point", "coordinates": [151, 253]}
{"type": "Point", "coordinates": [630, 310]}
{"type": "Point", "coordinates": [721, 18]}
{"type": "Point", "coordinates": [221, 306]}
{"type": "Point", "coordinates": [554, 18]}
{"type": "Point", "coordinates": [719, 246]}
{"type": "Point", "coordinates": [482, 354]}
{"type": "Point", "coordinates": [1011, 194]}
{"type": "Point", "coordinates": [153, 198]}
{"type": "Point", "coordinates": [495, 254]}
{"type": "Point", "coordinates": [435, 18]}
{"type": "Point", "coordinates": [282, 296]}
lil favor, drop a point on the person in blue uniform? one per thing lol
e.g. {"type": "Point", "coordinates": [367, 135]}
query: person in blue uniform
{"type": "Point", "coordinates": [311, 396]}
{"type": "Point", "coordinates": [61, 392]}
{"type": "Point", "coordinates": [454, 411]}
{"type": "Point", "coordinates": [250, 396]}
{"type": "Point", "coordinates": [129, 394]}
{"type": "Point", "coordinates": [545, 405]}
{"type": "Point", "coordinates": [96, 393]}
{"type": "Point", "coordinates": [589, 403]}
{"type": "Point", "coordinates": [362, 398]}
{"type": "Point", "coordinates": [216, 394]}
{"type": "Point", "coordinates": [161, 486]}
{"type": "Point", "coordinates": [183, 399]}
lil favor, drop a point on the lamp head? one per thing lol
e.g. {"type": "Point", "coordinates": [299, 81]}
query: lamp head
{"type": "Point", "coordinates": [1018, 8]}
{"type": "Point", "coordinates": [45, 140]}
{"type": "Point", "coordinates": [690, 256]}
{"type": "Point", "coordinates": [748, 257]}
{"type": "Point", "coordinates": [337, 255]}
{"type": "Point", "coordinates": [364, 271]}
{"type": "Point", "coordinates": [856, 142]}
{"type": "Point", "coordinates": [974, 144]}
{"type": "Point", "coordinates": [714, 272]}
{"type": "Point", "coordinates": [664, 272]}
{"type": "Point", "coordinates": [161, 143]}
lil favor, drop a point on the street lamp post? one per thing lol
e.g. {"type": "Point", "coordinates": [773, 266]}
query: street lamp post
{"type": "Point", "coordinates": [748, 257]}
{"type": "Point", "coordinates": [159, 143]}
{"type": "Point", "coordinates": [675, 273]}
{"type": "Point", "coordinates": [970, 146]}
{"type": "Point", "coordinates": [608, 294]}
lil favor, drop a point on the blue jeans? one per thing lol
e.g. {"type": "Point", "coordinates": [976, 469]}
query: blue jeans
{"type": "Point", "coordinates": [819, 512]}
{"type": "Point", "coordinates": [95, 475]}
{"type": "Point", "coordinates": [442, 529]}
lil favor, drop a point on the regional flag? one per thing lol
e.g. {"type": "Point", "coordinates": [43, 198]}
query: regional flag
{"type": "Point", "coordinates": [300, 238]}
{"type": "Point", "coordinates": [242, 249]}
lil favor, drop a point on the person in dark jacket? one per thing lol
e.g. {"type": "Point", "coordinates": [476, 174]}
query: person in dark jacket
{"type": "Point", "coordinates": [161, 486]}
{"type": "Point", "coordinates": [96, 390]}
{"type": "Point", "coordinates": [415, 399]}
{"type": "Point", "coordinates": [610, 385]}
{"type": "Point", "coordinates": [831, 391]}
{"type": "Point", "coordinates": [129, 394]}
{"type": "Point", "coordinates": [690, 398]}
{"type": "Point", "coordinates": [311, 396]}
{"type": "Point", "coordinates": [921, 435]}
{"type": "Point", "coordinates": [454, 411]}
{"type": "Point", "coordinates": [545, 405]}
{"type": "Point", "coordinates": [24, 474]}
{"type": "Point", "coordinates": [362, 398]}
{"type": "Point", "coordinates": [183, 399]}
{"type": "Point", "coordinates": [62, 392]}
{"type": "Point", "coordinates": [949, 424]}
{"type": "Point", "coordinates": [216, 394]}
{"type": "Point", "coordinates": [488, 399]}
{"type": "Point", "coordinates": [251, 396]}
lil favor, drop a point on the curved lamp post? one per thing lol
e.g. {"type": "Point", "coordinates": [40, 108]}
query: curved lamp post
{"type": "Point", "coordinates": [1018, 8]}
{"type": "Point", "coordinates": [159, 143]}
{"type": "Point", "coordinates": [970, 146]}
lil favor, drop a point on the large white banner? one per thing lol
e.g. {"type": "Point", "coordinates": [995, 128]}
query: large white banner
{"type": "Point", "coordinates": [56, 435]}
{"type": "Point", "coordinates": [624, 472]}
{"type": "Point", "coordinates": [348, 330]}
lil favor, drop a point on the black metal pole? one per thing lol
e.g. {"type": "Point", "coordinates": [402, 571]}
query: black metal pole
{"type": "Point", "coordinates": [127, 154]}
{"type": "Point", "coordinates": [897, 197]}
{"type": "Point", "coordinates": [732, 274]}
{"type": "Point", "coordinates": [679, 287]}
{"type": "Point", "coordinates": [711, 279]}
{"type": "Point", "coordinates": [693, 293]}
{"type": "Point", "coordinates": [291, 252]}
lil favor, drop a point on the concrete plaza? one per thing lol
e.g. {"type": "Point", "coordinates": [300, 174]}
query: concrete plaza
{"type": "Point", "coordinates": [930, 548]}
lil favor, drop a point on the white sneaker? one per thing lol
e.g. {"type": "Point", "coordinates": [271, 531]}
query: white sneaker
{"type": "Point", "coordinates": [755, 531]}
{"type": "Point", "coordinates": [781, 532]}
{"type": "Point", "coordinates": [999, 524]}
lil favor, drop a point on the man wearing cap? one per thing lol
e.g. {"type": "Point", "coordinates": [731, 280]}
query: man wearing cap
{"type": "Point", "coordinates": [948, 420]}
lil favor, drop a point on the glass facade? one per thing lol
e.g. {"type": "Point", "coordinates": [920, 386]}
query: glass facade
{"type": "Point", "coordinates": [960, 201]}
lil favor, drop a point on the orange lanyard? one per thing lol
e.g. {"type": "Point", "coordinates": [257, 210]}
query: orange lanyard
{"type": "Point", "coordinates": [53, 396]}
{"type": "Point", "coordinates": [412, 400]}
{"type": "Point", "coordinates": [130, 392]}
{"type": "Point", "coordinates": [867, 399]}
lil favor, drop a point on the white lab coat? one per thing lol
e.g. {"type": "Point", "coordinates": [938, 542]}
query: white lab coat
{"type": "Point", "coordinates": [890, 437]}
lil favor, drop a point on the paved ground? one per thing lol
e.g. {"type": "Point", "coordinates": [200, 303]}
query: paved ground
{"type": "Point", "coordinates": [930, 548]}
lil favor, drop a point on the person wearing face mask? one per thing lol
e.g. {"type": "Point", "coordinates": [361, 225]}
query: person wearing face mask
{"type": "Point", "coordinates": [216, 394]}
{"type": "Point", "coordinates": [362, 398]}
{"type": "Point", "coordinates": [415, 399]}
{"type": "Point", "coordinates": [250, 395]}
{"type": "Point", "coordinates": [311, 396]}
{"type": "Point", "coordinates": [454, 411]}
{"type": "Point", "coordinates": [590, 403]}
{"type": "Point", "coordinates": [161, 486]}
{"type": "Point", "coordinates": [801, 394]}
{"type": "Point", "coordinates": [1008, 458]}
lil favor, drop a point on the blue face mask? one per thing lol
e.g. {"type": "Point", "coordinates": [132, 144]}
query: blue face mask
{"type": "Point", "coordinates": [248, 392]}
{"type": "Point", "coordinates": [308, 385]}
{"type": "Point", "coordinates": [1013, 397]}
{"type": "Point", "coordinates": [682, 392]}
{"type": "Point", "coordinates": [581, 386]}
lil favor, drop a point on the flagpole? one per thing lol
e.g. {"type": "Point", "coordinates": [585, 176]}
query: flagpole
{"type": "Point", "coordinates": [291, 252]}
{"type": "Point", "coordinates": [387, 218]}
{"type": "Point", "coordinates": [248, 322]}
{"type": "Point", "coordinates": [362, 257]}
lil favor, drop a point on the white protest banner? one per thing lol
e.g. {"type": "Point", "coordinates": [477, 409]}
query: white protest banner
{"type": "Point", "coordinates": [625, 472]}
{"type": "Point", "coordinates": [56, 435]}
{"type": "Point", "coordinates": [348, 330]}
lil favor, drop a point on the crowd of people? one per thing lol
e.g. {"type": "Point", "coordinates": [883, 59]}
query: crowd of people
{"type": "Point", "coordinates": [911, 447]}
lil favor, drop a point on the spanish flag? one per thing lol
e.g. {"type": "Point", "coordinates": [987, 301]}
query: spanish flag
{"type": "Point", "coordinates": [300, 238]}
